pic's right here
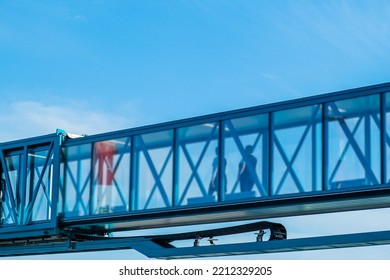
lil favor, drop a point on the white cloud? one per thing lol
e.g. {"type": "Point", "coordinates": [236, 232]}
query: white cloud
{"type": "Point", "coordinates": [24, 119]}
{"type": "Point", "coordinates": [356, 30]}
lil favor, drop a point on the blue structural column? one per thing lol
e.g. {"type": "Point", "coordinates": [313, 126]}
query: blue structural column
{"type": "Point", "coordinates": [383, 136]}
{"type": "Point", "coordinates": [271, 154]}
{"type": "Point", "coordinates": [221, 163]}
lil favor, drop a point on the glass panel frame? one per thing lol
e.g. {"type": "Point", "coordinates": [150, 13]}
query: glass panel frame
{"type": "Point", "coordinates": [354, 137]}
{"type": "Point", "coordinates": [197, 166]}
{"type": "Point", "coordinates": [152, 179]}
{"type": "Point", "coordinates": [39, 184]}
{"type": "Point", "coordinates": [12, 206]}
{"type": "Point", "coordinates": [246, 155]}
{"type": "Point", "coordinates": [27, 184]}
{"type": "Point", "coordinates": [111, 180]}
{"type": "Point", "coordinates": [76, 177]}
{"type": "Point", "coordinates": [297, 150]}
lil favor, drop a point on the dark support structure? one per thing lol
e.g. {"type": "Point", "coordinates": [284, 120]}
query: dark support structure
{"type": "Point", "coordinates": [321, 154]}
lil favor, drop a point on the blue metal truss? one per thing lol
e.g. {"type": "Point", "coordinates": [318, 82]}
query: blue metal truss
{"type": "Point", "coordinates": [114, 170]}
{"type": "Point", "coordinates": [31, 186]}
{"type": "Point", "coordinates": [263, 191]}
{"type": "Point", "coordinates": [79, 188]}
{"type": "Point", "coordinates": [290, 162]}
{"type": "Point", "coordinates": [195, 166]}
{"type": "Point", "coordinates": [49, 183]}
{"type": "Point", "coordinates": [158, 185]}
{"type": "Point", "coordinates": [350, 135]}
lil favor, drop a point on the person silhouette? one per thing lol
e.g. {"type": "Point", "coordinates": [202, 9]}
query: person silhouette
{"type": "Point", "coordinates": [214, 183]}
{"type": "Point", "coordinates": [244, 175]}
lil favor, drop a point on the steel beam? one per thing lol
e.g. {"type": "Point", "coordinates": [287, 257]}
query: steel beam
{"type": "Point", "coordinates": [152, 249]}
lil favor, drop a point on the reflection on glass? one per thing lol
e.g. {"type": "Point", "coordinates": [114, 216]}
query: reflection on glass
{"type": "Point", "coordinates": [152, 180]}
{"type": "Point", "coordinates": [29, 199]}
{"type": "Point", "coordinates": [76, 180]}
{"type": "Point", "coordinates": [111, 166]}
{"type": "Point", "coordinates": [182, 167]}
{"type": "Point", "coordinates": [246, 153]}
{"type": "Point", "coordinates": [354, 142]}
{"type": "Point", "coordinates": [198, 172]}
{"type": "Point", "coordinates": [297, 135]}
{"type": "Point", "coordinates": [245, 176]}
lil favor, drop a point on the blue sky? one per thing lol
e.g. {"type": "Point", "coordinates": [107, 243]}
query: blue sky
{"type": "Point", "coordinates": [95, 66]}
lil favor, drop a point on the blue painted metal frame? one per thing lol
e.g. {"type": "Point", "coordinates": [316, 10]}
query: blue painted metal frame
{"type": "Point", "coordinates": [270, 188]}
{"type": "Point", "coordinates": [158, 185]}
{"type": "Point", "coordinates": [22, 210]}
{"type": "Point", "coordinates": [355, 146]}
{"type": "Point", "coordinates": [195, 167]}
{"type": "Point", "coordinates": [152, 249]}
{"type": "Point", "coordinates": [245, 158]}
{"type": "Point", "coordinates": [79, 192]}
{"type": "Point", "coordinates": [114, 171]}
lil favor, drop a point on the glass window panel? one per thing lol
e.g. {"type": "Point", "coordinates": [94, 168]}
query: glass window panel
{"type": "Point", "coordinates": [76, 179]}
{"type": "Point", "coordinates": [153, 170]}
{"type": "Point", "coordinates": [246, 156]}
{"type": "Point", "coordinates": [39, 185]}
{"type": "Point", "coordinates": [353, 142]}
{"type": "Point", "coordinates": [297, 147]}
{"type": "Point", "coordinates": [198, 177]}
{"type": "Point", "coordinates": [12, 194]}
{"type": "Point", "coordinates": [111, 182]}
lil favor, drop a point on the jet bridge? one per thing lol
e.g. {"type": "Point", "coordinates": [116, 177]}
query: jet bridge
{"type": "Point", "coordinates": [321, 154]}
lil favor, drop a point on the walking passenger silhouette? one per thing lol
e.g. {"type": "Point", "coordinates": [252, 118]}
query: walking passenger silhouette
{"type": "Point", "coordinates": [247, 164]}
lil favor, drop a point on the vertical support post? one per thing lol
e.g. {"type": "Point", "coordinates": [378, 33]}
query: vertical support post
{"type": "Point", "coordinates": [325, 146]}
{"type": "Point", "coordinates": [265, 159]}
{"type": "Point", "coordinates": [55, 180]}
{"type": "Point", "coordinates": [91, 182]}
{"type": "Point", "coordinates": [314, 151]}
{"type": "Point", "coordinates": [383, 135]}
{"type": "Point", "coordinates": [221, 162]}
{"type": "Point", "coordinates": [64, 182]}
{"type": "Point", "coordinates": [30, 184]}
{"type": "Point", "coordinates": [78, 187]}
{"type": "Point", "coordinates": [53, 170]}
{"type": "Point", "coordinates": [134, 175]}
{"type": "Point", "coordinates": [22, 173]}
{"type": "Point", "coordinates": [270, 153]}
{"type": "Point", "coordinates": [131, 174]}
{"type": "Point", "coordinates": [367, 146]}
{"type": "Point", "coordinates": [175, 169]}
